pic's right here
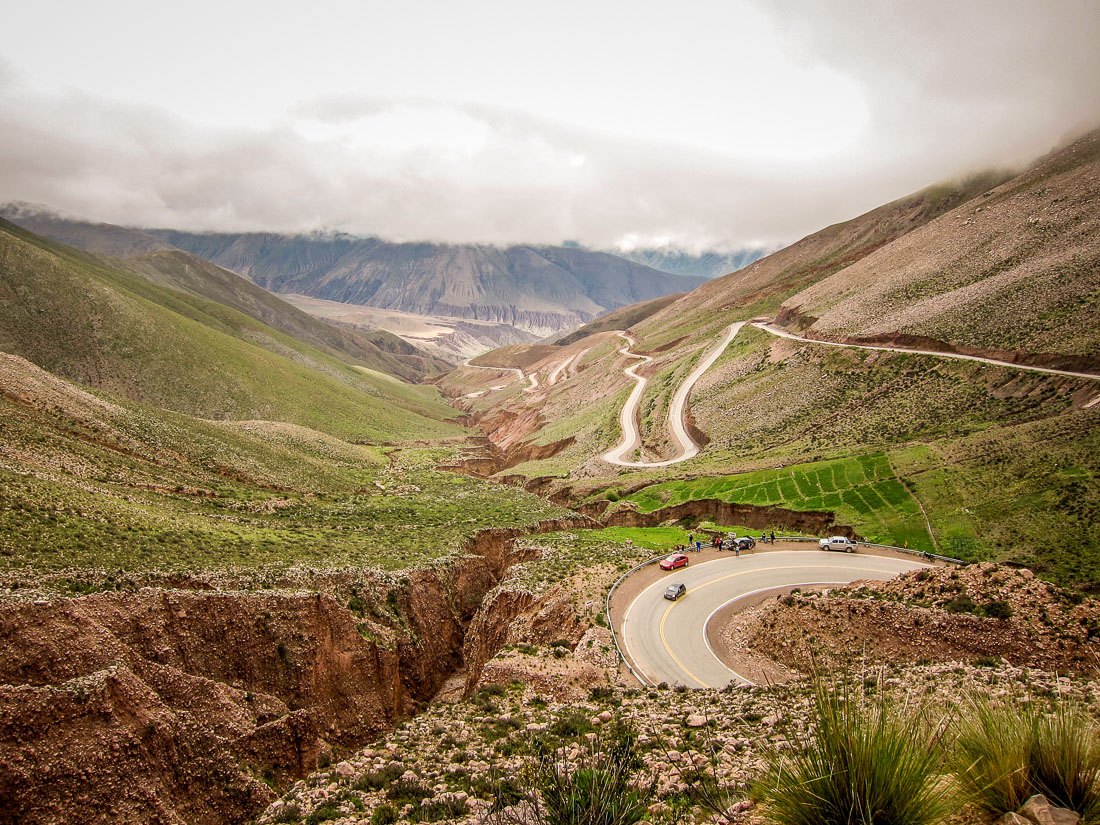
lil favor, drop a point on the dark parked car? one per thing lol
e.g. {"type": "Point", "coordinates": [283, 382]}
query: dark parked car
{"type": "Point", "coordinates": [674, 561]}
{"type": "Point", "coordinates": [746, 543]}
{"type": "Point", "coordinates": [675, 591]}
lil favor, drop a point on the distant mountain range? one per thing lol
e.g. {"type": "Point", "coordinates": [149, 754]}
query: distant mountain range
{"type": "Point", "coordinates": [703, 264]}
{"type": "Point", "coordinates": [540, 289]}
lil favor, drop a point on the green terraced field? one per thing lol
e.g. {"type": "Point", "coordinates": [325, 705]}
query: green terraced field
{"type": "Point", "coordinates": [863, 491]}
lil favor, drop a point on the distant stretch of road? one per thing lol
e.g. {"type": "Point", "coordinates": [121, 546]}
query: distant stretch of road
{"type": "Point", "coordinates": [519, 374]}
{"type": "Point", "coordinates": [782, 333]}
{"type": "Point", "coordinates": [685, 445]}
{"type": "Point", "coordinates": [667, 641]}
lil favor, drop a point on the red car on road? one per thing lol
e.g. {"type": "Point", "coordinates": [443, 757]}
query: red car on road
{"type": "Point", "coordinates": [674, 561]}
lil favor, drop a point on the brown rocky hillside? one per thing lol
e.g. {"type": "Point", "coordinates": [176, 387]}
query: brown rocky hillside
{"type": "Point", "coordinates": [1016, 269]}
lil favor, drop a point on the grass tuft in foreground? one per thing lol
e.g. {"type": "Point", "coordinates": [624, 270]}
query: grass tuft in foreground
{"type": "Point", "coordinates": [595, 790]}
{"type": "Point", "coordinates": [868, 760]}
{"type": "Point", "coordinates": [1005, 753]}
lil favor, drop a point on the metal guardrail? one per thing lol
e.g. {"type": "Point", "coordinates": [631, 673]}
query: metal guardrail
{"type": "Point", "coordinates": [611, 622]}
{"type": "Point", "coordinates": [814, 539]}
{"type": "Point", "coordinates": [908, 550]}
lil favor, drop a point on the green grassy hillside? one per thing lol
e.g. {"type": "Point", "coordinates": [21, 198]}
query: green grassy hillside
{"type": "Point", "coordinates": [95, 324]}
{"type": "Point", "coordinates": [93, 484]}
{"type": "Point", "coordinates": [376, 349]}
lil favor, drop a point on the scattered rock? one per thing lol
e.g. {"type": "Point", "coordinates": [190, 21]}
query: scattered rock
{"type": "Point", "coordinates": [1042, 811]}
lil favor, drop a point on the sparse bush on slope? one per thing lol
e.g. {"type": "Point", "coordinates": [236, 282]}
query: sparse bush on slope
{"type": "Point", "coordinates": [595, 791]}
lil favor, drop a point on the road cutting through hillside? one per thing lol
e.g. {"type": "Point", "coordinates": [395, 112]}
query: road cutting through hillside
{"type": "Point", "coordinates": [667, 640]}
{"type": "Point", "coordinates": [567, 366]}
{"type": "Point", "coordinates": [685, 444]}
{"type": "Point", "coordinates": [782, 333]}
{"type": "Point", "coordinates": [519, 374]}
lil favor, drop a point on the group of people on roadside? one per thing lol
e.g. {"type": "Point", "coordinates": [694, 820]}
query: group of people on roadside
{"type": "Point", "coordinates": [730, 542]}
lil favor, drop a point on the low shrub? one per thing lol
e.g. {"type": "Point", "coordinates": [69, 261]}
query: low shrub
{"type": "Point", "coordinates": [596, 790]}
{"type": "Point", "coordinates": [439, 809]}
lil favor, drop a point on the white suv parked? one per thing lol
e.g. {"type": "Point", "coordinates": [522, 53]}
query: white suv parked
{"type": "Point", "coordinates": [838, 543]}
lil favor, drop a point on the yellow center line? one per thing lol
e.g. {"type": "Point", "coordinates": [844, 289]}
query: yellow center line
{"type": "Point", "coordinates": [664, 618]}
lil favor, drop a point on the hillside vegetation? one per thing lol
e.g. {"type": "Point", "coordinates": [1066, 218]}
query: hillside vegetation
{"type": "Point", "coordinates": [1016, 270]}
{"type": "Point", "coordinates": [89, 484]}
{"type": "Point", "coordinates": [155, 260]}
{"type": "Point", "coordinates": [93, 323]}
{"type": "Point", "coordinates": [979, 461]}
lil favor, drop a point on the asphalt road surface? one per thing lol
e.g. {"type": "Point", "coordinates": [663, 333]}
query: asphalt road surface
{"type": "Point", "coordinates": [667, 641]}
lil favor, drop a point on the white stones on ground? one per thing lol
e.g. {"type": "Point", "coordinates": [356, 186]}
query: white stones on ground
{"type": "Point", "coordinates": [696, 721]}
{"type": "Point", "coordinates": [345, 770]}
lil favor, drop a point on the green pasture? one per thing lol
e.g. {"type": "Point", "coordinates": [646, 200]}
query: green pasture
{"type": "Point", "coordinates": [861, 490]}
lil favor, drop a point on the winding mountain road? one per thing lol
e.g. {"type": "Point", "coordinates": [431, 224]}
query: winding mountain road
{"type": "Point", "coordinates": [519, 374]}
{"type": "Point", "coordinates": [667, 641]}
{"type": "Point", "coordinates": [686, 446]}
{"type": "Point", "coordinates": [782, 333]}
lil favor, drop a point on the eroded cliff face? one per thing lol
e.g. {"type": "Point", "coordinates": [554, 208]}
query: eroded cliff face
{"type": "Point", "coordinates": [188, 705]}
{"type": "Point", "coordinates": [725, 512]}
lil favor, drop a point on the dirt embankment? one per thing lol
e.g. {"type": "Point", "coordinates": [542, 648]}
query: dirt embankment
{"type": "Point", "coordinates": [724, 512]}
{"type": "Point", "coordinates": [500, 449]}
{"type": "Point", "coordinates": [183, 706]}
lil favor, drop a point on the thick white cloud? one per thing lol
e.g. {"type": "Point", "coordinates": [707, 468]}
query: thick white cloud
{"type": "Point", "coordinates": [877, 100]}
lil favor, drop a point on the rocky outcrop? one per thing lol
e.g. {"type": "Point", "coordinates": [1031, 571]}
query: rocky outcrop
{"type": "Point", "coordinates": [107, 748]}
{"type": "Point", "coordinates": [983, 612]}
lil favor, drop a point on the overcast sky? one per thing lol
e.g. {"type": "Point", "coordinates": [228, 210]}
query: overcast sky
{"type": "Point", "coordinates": [702, 124]}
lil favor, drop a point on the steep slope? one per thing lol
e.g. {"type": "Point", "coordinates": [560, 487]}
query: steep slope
{"type": "Point", "coordinates": [761, 286]}
{"type": "Point", "coordinates": [156, 260]}
{"type": "Point", "coordinates": [104, 238]}
{"type": "Point", "coordinates": [1016, 271]}
{"type": "Point", "coordinates": [376, 348]}
{"type": "Point", "coordinates": [622, 318]}
{"type": "Point", "coordinates": [95, 324]}
{"type": "Point", "coordinates": [973, 460]}
{"type": "Point", "coordinates": [539, 289]}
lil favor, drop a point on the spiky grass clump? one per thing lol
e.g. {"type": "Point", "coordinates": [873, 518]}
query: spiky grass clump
{"type": "Point", "coordinates": [596, 789]}
{"type": "Point", "coordinates": [1006, 753]}
{"type": "Point", "coordinates": [867, 760]}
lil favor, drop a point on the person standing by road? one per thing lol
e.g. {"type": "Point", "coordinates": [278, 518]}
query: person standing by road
{"type": "Point", "coordinates": [772, 537]}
